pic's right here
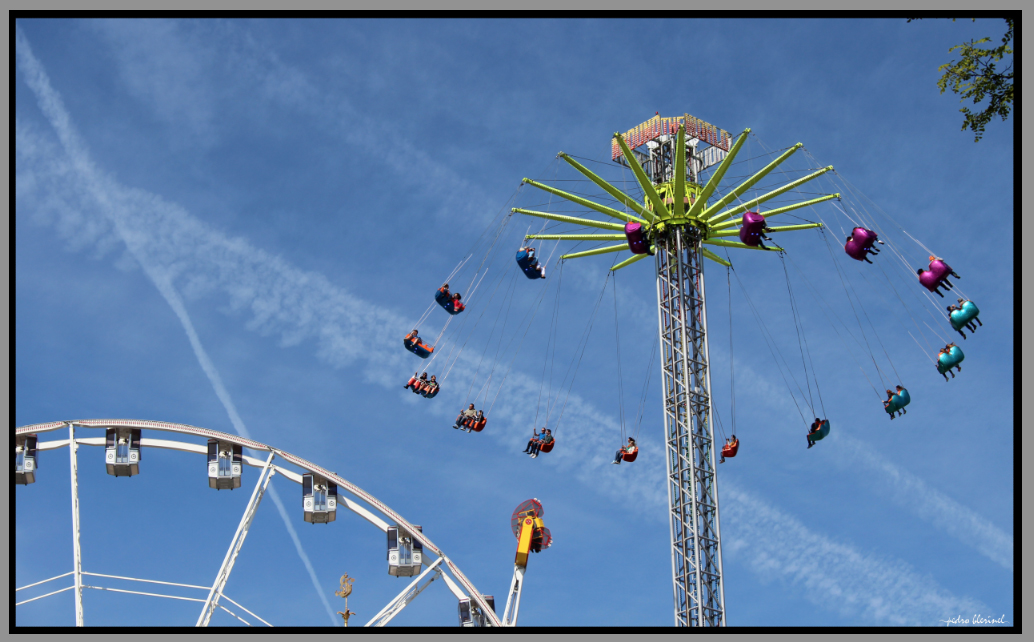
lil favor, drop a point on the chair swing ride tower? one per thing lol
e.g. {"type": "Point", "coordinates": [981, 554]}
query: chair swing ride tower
{"type": "Point", "coordinates": [657, 152]}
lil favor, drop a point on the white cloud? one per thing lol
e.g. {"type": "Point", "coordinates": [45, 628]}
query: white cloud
{"type": "Point", "coordinates": [832, 575]}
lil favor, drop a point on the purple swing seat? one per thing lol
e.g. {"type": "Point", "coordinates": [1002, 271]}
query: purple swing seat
{"type": "Point", "coordinates": [750, 233]}
{"type": "Point", "coordinates": [931, 278]}
{"type": "Point", "coordinates": [637, 241]}
{"type": "Point", "coordinates": [861, 240]}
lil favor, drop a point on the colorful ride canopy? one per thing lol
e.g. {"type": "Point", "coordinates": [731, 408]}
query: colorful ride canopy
{"type": "Point", "coordinates": [676, 203]}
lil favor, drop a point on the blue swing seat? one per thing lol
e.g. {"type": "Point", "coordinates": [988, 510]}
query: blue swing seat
{"type": "Point", "coordinates": [946, 362]}
{"type": "Point", "coordinates": [959, 318]}
{"type": "Point", "coordinates": [447, 303]}
{"type": "Point", "coordinates": [822, 432]}
{"type": "Point", "coordinates": [528, 265]}
{"type": "Point", "coordinates": [419, 349]}
{"type": "Point", "coordinates": [899, 401]}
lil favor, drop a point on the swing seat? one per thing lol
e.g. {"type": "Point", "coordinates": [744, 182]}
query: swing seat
{"type": "Point", "coordinates": [418, 387]}
{"type": "Point", "coordinates": [630, 457]}
{"type": "Point", "coordinates": [750, 232]}
{"type": "Point", "coordinates": [545, 448]}
{"type": "Point", "coordinates": [959, 318]}
{"type": "Point", "coordinates": [822, 431]}
{"type": "Point", "coordinates": [931, 278]}
{"type": "Point", "coordinates": [432, 393]}
{"type": "Point", "coordinates": [730, 450]}
{"type": "Point", "coordinates": [946, 362]}
{"type": "Point", "coordinates": [451, 306]}
{"type": "Point", "coordinates": [864, 236]}
{"type": "Point", "coordinates": [530, 266]}
{"type": "Point", "coordinates": [861, 240]}
{"type": "Point", "coordinates": [479, 425]}
{"type": "Point", "coordinates": [637, 241]}
{"type": "Point", "coordinates": [418, 348]}
{"type": "Point", "coordinates": [898, 401]}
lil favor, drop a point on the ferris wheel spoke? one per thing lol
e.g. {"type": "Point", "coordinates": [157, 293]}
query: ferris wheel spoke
{"type": "Point", "coordinates": [237, 542]}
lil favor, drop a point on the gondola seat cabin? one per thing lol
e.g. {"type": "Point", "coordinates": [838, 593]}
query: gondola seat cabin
{"type": "Point", "coordinates": [451, 305]}
{"type": "Point", "coordinates": [822, 431]}
{"type": "Point", "coordinates": [947, 361]}
{"type": "Point", "coordinates": [753, 225]}
{"type": "Point", "coordinates": [416, 346]}
{"type": "Point", "coordinates": [898, 401]}
{"type": "Point", "coordinates": [529, 264]}
{"type": "Point", "coordinates": [475, 423]}
{"type": "Point", "coordinates": [931, 278]}
{"type": "Point", "coordinates": [959, 318]}
{"type": "Point", "coordinates": [637, 241]}
{"type": "Point", "coordinates": [861, 240]}
{"type": "Point", "coordinates": [730, 449]}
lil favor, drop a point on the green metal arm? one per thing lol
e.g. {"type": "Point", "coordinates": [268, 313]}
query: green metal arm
{"type": "Point", "coordinates": [644, 181]}
{"type": "Point", "coordinates": [761, 199]}
{"type": "Point", "coordinates": [570, 219]}
{"type": "Point", "coordinates": [743, 187]}
{"type": "Point", "coordinates": [778, 210]}
{"type": "Point", "coordinates": [578, 237]}
{"type": "Point", "coordinates": [610, 189]}
{"type": "Point", "coordinates": [603, 209]}
{"type": "Point", "coordinates": [716, 178]}
{"type": "Point", "coordinates": [783, 228]}
{"type": "Point", "coordinates": [599, 250]}
{"type": "Point", "coordinates": [740, 245]}
{"type": "Point", "coordinates": [714, 257]}
{"type": "Point", "coordinates": [630, 261]}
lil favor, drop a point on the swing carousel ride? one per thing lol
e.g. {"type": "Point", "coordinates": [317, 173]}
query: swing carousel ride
{"type": "Point", "coordinates": [692, 199]}
{"type": "Point", "coordinates": [685, 206]}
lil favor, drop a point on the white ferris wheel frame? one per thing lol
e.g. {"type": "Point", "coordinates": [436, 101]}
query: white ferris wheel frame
{"type": "Point", "coordinates": [268, 469]}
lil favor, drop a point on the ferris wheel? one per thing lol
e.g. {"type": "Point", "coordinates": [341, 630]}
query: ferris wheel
{"type": "Point", "coordinates": [410, 552]}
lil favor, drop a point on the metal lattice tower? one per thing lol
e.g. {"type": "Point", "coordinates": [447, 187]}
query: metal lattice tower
{"type": "Point", "coordinates": [696, 553]}
{"type": "Point", "coordinates": [663, 155]}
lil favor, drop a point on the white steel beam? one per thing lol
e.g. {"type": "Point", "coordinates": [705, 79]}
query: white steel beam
{"type": "Point", "coordinates": [408, 594]}
{"type": "Point", "coordinates": [513, 600]}
{"type": "Point", "coordinates": [77, 569]}
{"type": "Point", "coordinates": [236, 543]}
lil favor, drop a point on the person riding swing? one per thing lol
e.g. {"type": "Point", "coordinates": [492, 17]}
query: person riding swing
{"type": "Point", "coordinates": [629, 449]}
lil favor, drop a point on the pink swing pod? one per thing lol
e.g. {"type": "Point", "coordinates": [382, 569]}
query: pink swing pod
{"type": "Point", "coordinates": [861, 240]}
{"type": "Point", "coordinates": [931, 278]}
{"type": "Point", "coordinates": [636, 240]}
{"type": "Point", "coordinates": [750, 233]}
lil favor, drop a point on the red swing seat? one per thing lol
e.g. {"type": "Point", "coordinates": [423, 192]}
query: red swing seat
{"type": "Point", "coordinates": [630, 456]}
{"type": "Point", "coordinates": [545, 448]}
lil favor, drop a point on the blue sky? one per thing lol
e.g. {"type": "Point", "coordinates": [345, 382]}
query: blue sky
{"type": "Point", "coordinates": [294, 191]}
